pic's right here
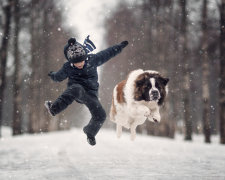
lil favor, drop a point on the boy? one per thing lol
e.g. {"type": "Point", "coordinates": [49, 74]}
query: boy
{"type": "Point", "coordinates": [81, 70]}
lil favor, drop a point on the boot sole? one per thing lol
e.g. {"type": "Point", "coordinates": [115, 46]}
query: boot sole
{"type": "Point", "coordinates": [47, 107]}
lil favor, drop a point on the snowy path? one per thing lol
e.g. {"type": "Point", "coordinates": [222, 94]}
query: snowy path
{"type": "Point", "coordinates": [66, 155]}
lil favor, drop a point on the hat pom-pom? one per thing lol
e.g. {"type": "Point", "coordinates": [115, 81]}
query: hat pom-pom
{"type": "Point", "coordinates": [72, 41]}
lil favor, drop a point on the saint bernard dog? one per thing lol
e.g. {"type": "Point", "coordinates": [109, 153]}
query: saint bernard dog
{"type": "Point", "coordinates": [136, 99]}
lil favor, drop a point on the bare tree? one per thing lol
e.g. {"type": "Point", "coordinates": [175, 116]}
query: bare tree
{"type": "Point", "coordinates": [44, 47]}
{"type": "Point", "coordinates": [205, 75]}
{"type": "Point", "coordinates": [33, 119]}
{"type": "Point", "coordinates": [3, 53]}
{"type": "Point", "coordinates": [185, 71]}
{"type": "Point", "coordinates": [16, 77]}
{"type": "Point", "coordinates": [222, 72]}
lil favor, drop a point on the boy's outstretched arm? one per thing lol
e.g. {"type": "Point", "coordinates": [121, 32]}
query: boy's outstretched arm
{"type": "Point", "coordinates": [58, 76]}
{"type": "Point", "coordinates": [105, 55]}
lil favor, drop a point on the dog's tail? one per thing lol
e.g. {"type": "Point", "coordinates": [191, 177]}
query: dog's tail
{"type": "Point", "coordinates": [113, 107]}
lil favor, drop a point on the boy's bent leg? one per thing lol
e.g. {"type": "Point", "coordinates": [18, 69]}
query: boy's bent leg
{"type": "Point", "coordinates": [72, 93]}
{"type": "Point", "coordinates": [98, 115]}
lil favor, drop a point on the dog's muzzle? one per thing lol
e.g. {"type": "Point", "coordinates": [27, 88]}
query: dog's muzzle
{"type": "Point", "coordinates": [154, 95]}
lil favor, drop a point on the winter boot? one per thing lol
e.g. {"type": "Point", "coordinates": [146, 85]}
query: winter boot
{"type": "Point", "coordinates": [48, 105]}
{"type": "Point", "coordinates": [90, 139]}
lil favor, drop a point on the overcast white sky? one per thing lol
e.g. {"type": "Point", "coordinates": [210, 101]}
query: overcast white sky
{"type": "Point", "coordinates": [87, 18]}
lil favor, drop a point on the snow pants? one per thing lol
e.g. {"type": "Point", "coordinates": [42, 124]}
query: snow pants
{"type": "Point", "coordinates": [90, 99]}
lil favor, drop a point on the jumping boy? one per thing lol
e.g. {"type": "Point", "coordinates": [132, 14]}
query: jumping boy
{"type": "Point", "coordinates": [81, 70]}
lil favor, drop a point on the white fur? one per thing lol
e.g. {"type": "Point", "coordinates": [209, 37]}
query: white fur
{"type": "Point", "coordinates": [133, 113]}
{"type": "Point", "coordinates": [167, 89]}
{"type": "Point", "coordinates": [152, 72]}
{"type": "Point", "coordinates": [129, 87]}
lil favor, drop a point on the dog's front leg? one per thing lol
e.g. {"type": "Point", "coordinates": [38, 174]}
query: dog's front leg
{"type": "Point", "coordinates": [133, 131]}
{"type": "Point", "coordinates": [119, 130]}
{"type": "Point", "coordinates": [155, 115]}
{"type": "Point", "coordinates": [137, 110]}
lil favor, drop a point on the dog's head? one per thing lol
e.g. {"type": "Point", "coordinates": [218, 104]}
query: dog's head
{"type": "Point", "coordinates": [150, 86]}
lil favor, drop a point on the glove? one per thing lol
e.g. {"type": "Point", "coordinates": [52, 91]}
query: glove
{"type": "Point", "coordinates": [50, 73]}
{"type": "Point", "coordinates": [124, 44]}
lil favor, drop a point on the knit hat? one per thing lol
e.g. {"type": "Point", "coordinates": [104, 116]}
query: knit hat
{"type": "Point", "coordinates": [75, 52]}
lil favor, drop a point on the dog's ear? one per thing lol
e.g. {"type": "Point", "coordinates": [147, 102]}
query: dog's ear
{"type": "Point", "coordinates": [163, 80]}
{"type": "Point", "coordinates": [140, 82]}
{"type": "Point", "coordinates": [141, 79]}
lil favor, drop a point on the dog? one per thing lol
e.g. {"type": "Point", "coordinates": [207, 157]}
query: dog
{"type": "Point", "coordinates": [138, 98]}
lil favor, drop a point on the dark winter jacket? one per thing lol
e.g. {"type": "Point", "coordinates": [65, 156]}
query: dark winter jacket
{"type": "Point", "coordinates": [88, 76]}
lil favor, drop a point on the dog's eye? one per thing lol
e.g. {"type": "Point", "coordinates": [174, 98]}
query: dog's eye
{"type": "Point", "coordinates": [157, 85]}
{"type": "Point", "coordinates": [148, 86]}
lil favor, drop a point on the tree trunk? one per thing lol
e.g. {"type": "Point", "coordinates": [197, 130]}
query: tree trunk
{"type": "Point", "coordinates": [3, 54]}
{"type": "Point", "coordinates": [222, 73]}
{"type": "Point", "coordinates": [16, 80]}
{"type": "Point", "coordinates": [185, 71]}
{"type": "Point", "coordinates": [45, 118]}
{"type": "Point", "coordinates": [205, 75]}
{"type": "Point", "coordinates": [33, 126]}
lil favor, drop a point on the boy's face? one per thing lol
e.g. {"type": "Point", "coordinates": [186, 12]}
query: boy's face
{"type": "Point", "coordinates": [79, 65]}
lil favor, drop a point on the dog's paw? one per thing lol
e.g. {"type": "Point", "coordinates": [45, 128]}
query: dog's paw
{"type": "Point", "coordinates": [156, 117]}
{"type": "Point", "coordinates": [132, 137]}
{"type": "Point", "coordinates": [150, 118]}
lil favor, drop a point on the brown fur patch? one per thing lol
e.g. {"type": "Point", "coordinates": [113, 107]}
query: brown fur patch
{"type": "Point", "coordinates": [113, 110]}
{"type": "Point", "coordinates": [120, 93]}
{"type": "Point", "coordinates": [139, 85]}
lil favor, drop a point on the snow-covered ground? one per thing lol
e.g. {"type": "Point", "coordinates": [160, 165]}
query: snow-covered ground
{"type": "Point", "coordinates": [66, 155]}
